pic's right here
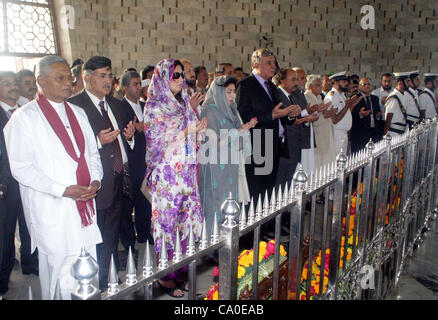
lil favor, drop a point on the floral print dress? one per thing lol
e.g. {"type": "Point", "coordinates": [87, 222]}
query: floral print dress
{"type": "Point", "coordinates": [171, 162]}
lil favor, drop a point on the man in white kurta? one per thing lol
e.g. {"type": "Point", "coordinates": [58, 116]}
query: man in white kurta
{"type": "Point", "coordinates": [48, 184]}
{"type": "Point", "coordinates": [384, 91]}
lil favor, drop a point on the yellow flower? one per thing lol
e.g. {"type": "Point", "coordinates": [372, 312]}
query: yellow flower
{"type": "Point", "coordinates": [283, 252]}
{"type": "Point", "coordinates": [240, 272]}
{"type": "Point", "coordinates": [216, 295]}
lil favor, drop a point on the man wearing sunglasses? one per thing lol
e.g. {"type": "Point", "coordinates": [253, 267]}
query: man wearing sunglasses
{"type": "Point", "coordinates": [115, 139]}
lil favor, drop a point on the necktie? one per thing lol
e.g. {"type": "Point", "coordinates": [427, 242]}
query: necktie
{"type": "Point", "coordinates": [371, 109]}
{"type": "Point", "coordinates": [280, 127]}
{"type": "Point", "coordinates": [118, 161]}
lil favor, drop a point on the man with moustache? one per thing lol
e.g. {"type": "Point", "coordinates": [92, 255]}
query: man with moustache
{"type": "Point", "coordinates": [13, 209]}
{"type": "Point", "coordinates": [201, 79]}
{"type": "Point", "coordinates": [287, 79]}
{"type": "Point", "coordinates": [343, 120]}
{"type": "Point", "coordinates": [27, 86]}
{"type": "Point", "coordinates": [367, 118]}
{"type": "Point", "coordinates": [53, 155]}
{"type": "Point", "coordinates": [224, 69]}
{"type": "Point", "coordinates": [196, 98]}
{"type": "Point", "coordinates": [385, 90]}
{"type": "Point", "coordinates": [327, 85]}
{"type": "Point", "coordinates": [114, 134]}
{"type": "Point", "coordinates": [131, 86]}
{"type": "Point", "coordinates": [257, 97]}
{"type": "Point", "coordinates": [308, 143]}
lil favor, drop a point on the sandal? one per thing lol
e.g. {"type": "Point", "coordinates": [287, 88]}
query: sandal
{"type": "Point", "coordinates": [170, 291]}
{"type": "Point", "coordinates": [182, 285]}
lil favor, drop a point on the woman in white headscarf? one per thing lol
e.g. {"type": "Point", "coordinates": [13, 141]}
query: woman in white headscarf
{"type": "Point", "coordinates": [223, 152]}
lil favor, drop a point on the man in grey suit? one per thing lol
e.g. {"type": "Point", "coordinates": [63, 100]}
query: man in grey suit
{"type": "Point", "coordinates": [288, 86]}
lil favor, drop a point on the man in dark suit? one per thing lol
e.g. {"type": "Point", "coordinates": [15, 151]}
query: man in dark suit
{"type": "Point", "coordinates": [131, 86]}
{"type": "Point", "coordinates": [367, 118]}
{"type": "Point", "coordinates": [287, 80]}
{"type": "Point", "coordinates": [12, 208]}
{"type": "Point", "coordinates": [114, 135]}
{"type": "Point", "coordinates": [257, 97]}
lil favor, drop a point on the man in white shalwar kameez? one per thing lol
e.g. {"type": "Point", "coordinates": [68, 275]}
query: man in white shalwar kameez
{"type": "Point", "coordinates": [54, 157]}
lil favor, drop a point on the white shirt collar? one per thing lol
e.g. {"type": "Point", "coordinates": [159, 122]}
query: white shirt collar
{"type": "Point", "coordinates": [7, 107]}
{"type": "Point", "coordinates": [95, 99]}
{"type": "Point", "coordinates": [284, 91]}
{"type": "Point", "coordinates": [132, 103]}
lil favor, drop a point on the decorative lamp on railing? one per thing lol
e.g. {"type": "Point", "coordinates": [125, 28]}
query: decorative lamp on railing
{"type": "Point", "coordinates": [370, 149]}
{"type": "Point", "coordinates": [230, 210]}
{"type": "Point", "coordinates": [341, 161]}
{"type": "Point", "coordinates": [300, 179]}
{"type": "Point", "coordinates": [84, 270]}
{"type": "Point", "coordinates": [388, 139]}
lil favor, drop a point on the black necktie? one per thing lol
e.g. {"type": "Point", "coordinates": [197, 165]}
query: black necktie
{"type": "Point", "coordinates": [118, 160]}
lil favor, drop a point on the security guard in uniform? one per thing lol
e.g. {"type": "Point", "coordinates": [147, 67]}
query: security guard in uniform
{"type": "Point", "coordinates": [395, 106]}
{"type": "Point", "coordinates": [414, 114]}
{"type": "Point", "coordinates": [427, 96]}
{"type": "Point", "coordinates": [343, 120]}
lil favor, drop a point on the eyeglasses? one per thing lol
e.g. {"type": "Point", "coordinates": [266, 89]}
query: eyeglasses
{"type": "Point", "coordinates": [177, 75]}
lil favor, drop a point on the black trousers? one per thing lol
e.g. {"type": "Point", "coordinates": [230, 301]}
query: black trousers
{"type": "Point", "coordinates": [108, 221]}
{"type": "Point", "coordinates": [13, 212]}
{"type": "Point", "coordinates": [143, 215]}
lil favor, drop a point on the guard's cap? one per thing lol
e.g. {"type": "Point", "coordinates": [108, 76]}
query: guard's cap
{"type": "Point", "coordinates": [401, 75]}
{"type": "Point", "coordinates": [414, 74]}
{"type": "Point", "coordinates": [430, 76]}
{"type": "Point", "coordinates": [339, 76]}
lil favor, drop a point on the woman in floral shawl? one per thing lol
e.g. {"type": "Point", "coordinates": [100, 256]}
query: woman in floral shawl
{"type": "Point", "coordinates": [170, 129]}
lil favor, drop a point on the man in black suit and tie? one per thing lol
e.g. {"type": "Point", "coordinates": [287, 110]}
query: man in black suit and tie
{"type": "Point", "coordinates": [11, 207]}
{"type": "Point", "coordinates": [257, 97]}
{"type": "Point", "coordinates": [131, 86]}
{"type": "Point", "coordinates": [367, 118]}
{"type": "Point", "coordinates": [288, 83]}
{"type": "Point", "coordinates": [114, 135]}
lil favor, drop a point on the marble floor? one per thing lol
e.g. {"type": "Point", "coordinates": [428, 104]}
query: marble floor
{"type": "Point", "coordinates": [419, 279]}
